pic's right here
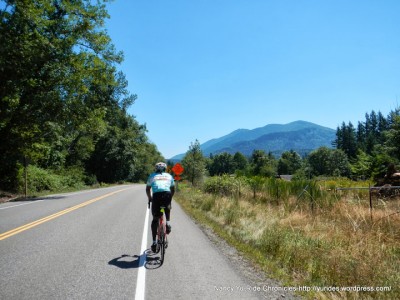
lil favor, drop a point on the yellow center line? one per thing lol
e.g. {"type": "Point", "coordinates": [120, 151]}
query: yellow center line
{"type": "Point", "coordinates": [53, 216]}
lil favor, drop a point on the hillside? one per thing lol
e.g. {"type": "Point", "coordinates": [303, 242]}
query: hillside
{"type": "Point", "coordinates": [300, 136]}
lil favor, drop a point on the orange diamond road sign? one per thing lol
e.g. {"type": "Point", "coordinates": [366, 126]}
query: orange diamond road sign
{"type": "Point", "coordinates": [177, 169]}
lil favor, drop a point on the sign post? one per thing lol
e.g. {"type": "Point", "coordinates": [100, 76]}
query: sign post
{"type": "Point", "coordinates": [178, 170]}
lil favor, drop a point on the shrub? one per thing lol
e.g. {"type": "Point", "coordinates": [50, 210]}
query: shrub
{"type": "Point", "coordinates": [47, 180]}
{"type": "Point", "coordinates": [224, 185]}
{"type": "Point", "coordinates": [256, 184]}
{"type": "Point", "coordinates": [39, 180]}
{"type": "Point", "coordinates": [208, 203]}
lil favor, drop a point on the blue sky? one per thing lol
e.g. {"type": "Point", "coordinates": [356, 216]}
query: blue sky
{"type": "Point", "coordinates": [203, 68]}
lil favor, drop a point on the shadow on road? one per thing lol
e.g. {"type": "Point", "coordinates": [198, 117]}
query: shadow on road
{"type": "Point", "coordinates": [126, 261]}
{"type": "Point", "coordinates": [31, 199]}
{"type": "Point", "coordinates": [148, 259]}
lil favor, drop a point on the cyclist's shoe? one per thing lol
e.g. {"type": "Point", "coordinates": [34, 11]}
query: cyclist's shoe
{"type": "Point", "coordinates": [168, 229]}
{"type": "Point", "coordinates": [154, 247]}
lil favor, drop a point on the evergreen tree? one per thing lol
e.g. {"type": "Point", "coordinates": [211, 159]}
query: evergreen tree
{"type": "Point", "coordinates": [361, 134]}
{"type": "Point", "coordinates": [346, 139]}
{"type": "Point", "coordinates": [194, 163]}
{"type": "Point", "coordinates": [350, 141]}
{"type": "Point", "coordinates": [393, 137]}
{"type": "Point", "coordinates": [382, 127]}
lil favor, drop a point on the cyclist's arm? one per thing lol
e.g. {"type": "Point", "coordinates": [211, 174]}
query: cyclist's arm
{"type": "Point", "coordinates": [172, 191]}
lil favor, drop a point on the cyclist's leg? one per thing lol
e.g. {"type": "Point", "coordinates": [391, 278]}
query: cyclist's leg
{"type": "Point", "coordinates": [167, 203]}
{"type": "Point", "coordinates": [154, 225]}
{"type": "Point", "coordinates": [155, 210]}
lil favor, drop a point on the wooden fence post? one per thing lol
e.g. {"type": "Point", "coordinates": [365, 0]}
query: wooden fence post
{"type": "Point", "coordinates": [370, 200]}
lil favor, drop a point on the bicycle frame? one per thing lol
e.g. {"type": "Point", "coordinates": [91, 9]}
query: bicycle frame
{"type": "Point", "coordinates": [162, 240]}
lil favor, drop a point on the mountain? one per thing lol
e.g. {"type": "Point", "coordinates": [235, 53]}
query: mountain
{"type": "Point", "coordinates": [299, 136]}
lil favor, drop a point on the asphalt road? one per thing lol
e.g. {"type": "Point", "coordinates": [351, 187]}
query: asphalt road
{"type": "Point", "coordinates": [88, 245]}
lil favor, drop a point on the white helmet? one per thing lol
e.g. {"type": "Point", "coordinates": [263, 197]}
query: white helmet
{"type": "Point", "coordinates": [161, 167]}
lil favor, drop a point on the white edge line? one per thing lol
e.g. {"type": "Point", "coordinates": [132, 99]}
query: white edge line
{"type": "Point", "coordinates": [22, 204]}
{"type": "Point", "coordinates": [141, 279]}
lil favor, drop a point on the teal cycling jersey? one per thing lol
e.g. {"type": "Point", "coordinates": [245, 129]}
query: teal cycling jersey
{"type": "Point", "coordinates": [160, 182]}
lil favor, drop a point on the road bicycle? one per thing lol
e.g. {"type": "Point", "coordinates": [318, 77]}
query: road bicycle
{"type": "Point", "coordinates": [162, 236]}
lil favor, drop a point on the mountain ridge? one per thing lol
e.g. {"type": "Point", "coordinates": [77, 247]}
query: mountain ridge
{"type": "Point", "coordinates": [300, 136]}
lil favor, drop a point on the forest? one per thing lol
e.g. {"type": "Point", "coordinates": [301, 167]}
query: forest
{"type": "Point", "coordinates": [64, 117]}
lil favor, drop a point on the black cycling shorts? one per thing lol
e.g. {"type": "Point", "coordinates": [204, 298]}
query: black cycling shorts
{"type": "Point", "coordinates": [160, 199]}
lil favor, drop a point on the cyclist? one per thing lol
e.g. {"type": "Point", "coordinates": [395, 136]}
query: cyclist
{"type": "Point", "coordinates": [163, 187]}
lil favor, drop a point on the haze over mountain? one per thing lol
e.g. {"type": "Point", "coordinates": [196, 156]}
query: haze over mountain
{"type": "Point", "coordinates": [300, 136]}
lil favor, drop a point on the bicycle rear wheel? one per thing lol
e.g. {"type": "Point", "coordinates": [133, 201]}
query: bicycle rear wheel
{"type": "Point", "coordinates": [162, 246]}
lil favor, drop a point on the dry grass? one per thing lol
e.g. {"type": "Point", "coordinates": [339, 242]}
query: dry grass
{"type": "Point", "coordinates": [337, 244]}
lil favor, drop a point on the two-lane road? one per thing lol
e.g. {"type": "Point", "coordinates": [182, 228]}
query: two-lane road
{"type": "Point", "coordinates": [88, 245]}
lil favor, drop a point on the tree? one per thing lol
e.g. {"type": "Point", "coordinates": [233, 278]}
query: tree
{"type": "Point", "coordinates": [381, 160]}
{"type": "Point", "coordinates": [350, 141]}
{"type": "Point", "coordinates": [346, 139]}
{"type": "Point", "coordinates": [240, 161]}
{"type": "Point", "coordinates": [54, 59]}
{"type": "Point", "coordinates": [318, 161]}
{"type": "Point", "coordinates": [222, 163]}
{"type": "Point", "coordinates": [289, 162]}
{"type": "Point", "coordinates": [371, 130]}
{"type": "Point", "coordinates": [339, 164]}
{"type": "Point", "coordinates": [60, 93]}
{"type": "Point", "coordinates": [262, 163]}
{"type": "Point", "coordinates": [194, 163]}
{"type": "Point", "coordinates": [362, 167]}
{"type": "Point", "coordinates": [361, 134]}
{"type": "Point", "coordinates": [329, 162]}
{"type": "Point", "coordinates": [393, 137]}
{"type": "Point", "coordinates": [382, 127]}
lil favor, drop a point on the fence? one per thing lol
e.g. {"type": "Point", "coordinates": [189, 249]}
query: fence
{"type": "Point", "coordinates": [385, 191]}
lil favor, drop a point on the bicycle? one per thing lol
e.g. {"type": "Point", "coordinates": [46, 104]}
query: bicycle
{"type": "Point", "coordinates": [162, 236]}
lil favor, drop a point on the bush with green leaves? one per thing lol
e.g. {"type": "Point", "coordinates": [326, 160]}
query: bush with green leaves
{"type": "Point", "coordinates": [40, 180]}
{"type": "Point", "coordinates": [225, 185]}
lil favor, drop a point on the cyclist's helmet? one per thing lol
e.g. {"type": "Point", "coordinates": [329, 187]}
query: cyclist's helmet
{"type": "Point", "coordinates": [161, 167]}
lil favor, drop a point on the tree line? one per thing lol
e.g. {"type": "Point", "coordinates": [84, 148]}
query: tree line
{"type": "Point", "coordinates": [373, 146]}
{"type": "Point", "coordinates": [63, 103]}
{"type": "Point", "coordinates": [367, 152]}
